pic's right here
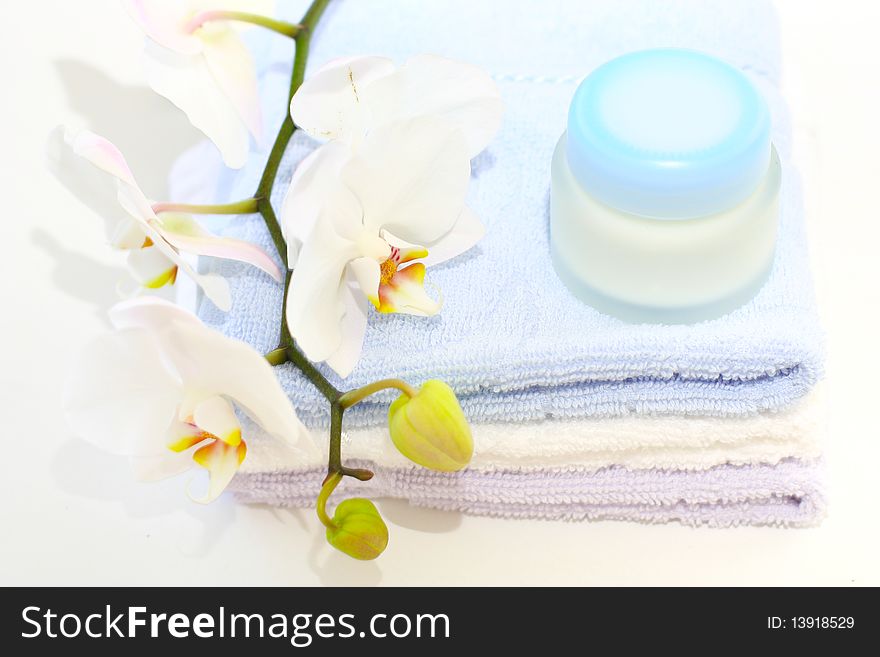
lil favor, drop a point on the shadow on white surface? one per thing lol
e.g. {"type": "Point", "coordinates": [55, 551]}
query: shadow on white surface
{"type": "Point", "coordinates": [79, 276]}
{"type": "Point", "coordinates": [331, 567]}
{"type": "Point", "coordinates": [420, 519]}
{"type": "Point", "coordinates": [336, 569]}
{"type": "Point", "coordinates": [148, 129]}
{"type": "Point", "coordinates": [85, 471]}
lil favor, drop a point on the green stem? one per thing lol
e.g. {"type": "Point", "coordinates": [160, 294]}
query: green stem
{"type": "Point", "coordinates": [335, 460]}
{"type": "Point", "coordinates": [305, 366]}
{"type": "Point", "coordinates": [353, 397]}
{"type": "Point", "coordinates": [287, 29]}
{"type": "Point", "coordinates": [248, 206]}
{"type": "Point", "coordinates": [287, 350]}
{"type": "Point", "coordinates": [264, 207]}
{"type": "Point", "coordinates": [334, 465]}
{"type": "Point", "coordinates": [284, 335]}
{"type": "Point", "coordinates": [290, 354]}
{"type": "Point", "coordinates": [285, 134]}
{"type": "Point", "coordinates": [330, 484]}
{"type": "Point", "coordinates": [277, 356]}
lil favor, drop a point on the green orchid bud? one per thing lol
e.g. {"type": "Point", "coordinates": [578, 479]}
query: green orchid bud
{"type": "Point", "coordinates": [358, 530]}
{"type": "Point", "coordinates": [429, 428]}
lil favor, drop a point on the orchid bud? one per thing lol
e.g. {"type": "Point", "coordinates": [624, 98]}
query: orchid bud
{"type": "Point", "coordinates": [358, 530]}
{"type": "Point", "coordinates": [430, 428]}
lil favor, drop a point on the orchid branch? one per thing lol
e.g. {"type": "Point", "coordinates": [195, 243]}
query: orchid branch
{"type": "Point", "coordinates": [286, 29]}
{"type": "Point", "coordinates": [353, 397]}
{"type": "Point", "coordinates": [285, 134]}
{"type": "Point", "coordinates": [330, 484]}
{"type": "Point", "coordinates": [248, 206]}
{"type": "Point", "coordinates": [287, 350]}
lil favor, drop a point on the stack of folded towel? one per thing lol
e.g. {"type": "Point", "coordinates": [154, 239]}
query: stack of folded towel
{"type": "Point", "coordinates": [574, 414]}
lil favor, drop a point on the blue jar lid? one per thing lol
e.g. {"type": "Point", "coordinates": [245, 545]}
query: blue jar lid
{"type": "Point", "coordinates": [668, 133]}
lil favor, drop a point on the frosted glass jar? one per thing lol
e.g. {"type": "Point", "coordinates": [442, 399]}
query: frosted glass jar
{"type": "Point", "coordinates": [665, 189]}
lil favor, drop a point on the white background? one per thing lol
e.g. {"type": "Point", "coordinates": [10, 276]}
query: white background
{"type": "Point", "coordinates": [70, 514]}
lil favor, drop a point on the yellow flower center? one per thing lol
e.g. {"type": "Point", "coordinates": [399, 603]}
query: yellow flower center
{"type": "Point", "coordinates": [387, 269]}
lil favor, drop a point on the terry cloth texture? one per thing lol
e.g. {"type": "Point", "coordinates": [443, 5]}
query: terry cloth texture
{"type": "Point", "coordinates": [637, 442]}
{"type": "Point", "coordinates": [786, 494]}
{"type": "Point", "coordinates": [761, 470]}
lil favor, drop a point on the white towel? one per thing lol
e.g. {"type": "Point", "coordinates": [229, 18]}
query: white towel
{"type": "Point", "coordinates": [636, 442]}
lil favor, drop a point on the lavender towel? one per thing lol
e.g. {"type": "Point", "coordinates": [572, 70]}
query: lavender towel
{"type": "Point", "coordinates": [783, 495]}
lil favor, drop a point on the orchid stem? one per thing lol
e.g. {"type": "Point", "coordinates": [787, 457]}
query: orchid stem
{"type": "Point", "coordinates": [287, 352]}
{"type": "Point", "coordinates": [287, 29]}
{"type": "Point", "coordinates": [353, 397]}
{"type": "Point", "coordinates": [330, 484]}
{"type": "Point", "coordinates": [277, 357]}
{"type": "Point", "coordinates": [290, 354]}
{"type": "Point", "coordinates": [264, 207]}
{"type": "Point", "coordinates": [334, 465]}
{"type": "Point", "coordinates": [305, 366]}
{"type": "Point", "coordinates": [248, 206]}
{"type": "Point", "coordinates": [285, 134]}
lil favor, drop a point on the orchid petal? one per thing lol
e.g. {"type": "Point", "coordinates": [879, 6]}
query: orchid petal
{"type": "Point", "coordinates": [106, 157]}
{"type": "Point", "coordinates": [182, 436]}
{"type": "Point", "coordinates": [101, 153]}
{"type": "Point", "coordinates": [405, 293]}
{"type": "Point", "coordinates": [185, 234]}
{"type": "Point", "coordinates": [233, 68]}
{"type": "Point", "coordinates": [410, 253]}
{"type": "Point", "coordinates": [215, 287]}
{"type": "Point", "coordinates": [430, 85]}
{"type": "Point", "coordinates": [216, 416]}
{"type": "Point", "coordinates": [150, 313]}
{"type": "Point", "coordinates": [313, 180]}
{"type": "Point", "coordinates": [89, 184]}
{"type": "Point", "coordinates": [222, 462]}
{"type": "Point", "coordinates": [151, 268]}
{"type": "Point", "coordinates": [328, 104]}
{"type": "Point", "coordinates": [155, 468]}
{"type": "Point", "coordinates": [187, 81]}
{"type": "Point", "coordinates": [463, 236]}
{"type": "Point", "coordinates": [128, 234]}
{"type": "Point", "coordinates": [241, 374]}
{"type": "Point", "coordinates": [353, 328]}
{"type": "Point", "coordinates": [121, 395]}
{"type": "Point", "coordinates": [314, 307]}
{"type": "Point", "coordinates": [164, 21]}
{"type": "Point", "coordinates": [367, 272]}
{"type": "Point", "coordinates": [411, 178]}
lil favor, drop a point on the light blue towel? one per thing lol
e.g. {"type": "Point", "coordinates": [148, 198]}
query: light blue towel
{"type": "Point", "coordinates": [510, 339]}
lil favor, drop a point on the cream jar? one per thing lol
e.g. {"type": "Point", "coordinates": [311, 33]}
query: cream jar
{"type": "Point", "coordinates": [665, 189]}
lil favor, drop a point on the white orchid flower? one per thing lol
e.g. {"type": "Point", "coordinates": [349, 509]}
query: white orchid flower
{"type": "Point", "coordinates": [399, 198]}
{"type": "Point", "coordinates": [155, 242]}
{"type": "Point", "coordinates": [162, 388]}
{"type": "Point", "coordinates": [347, 98]}
{"type": "Point", "coordinates": [198, 61]}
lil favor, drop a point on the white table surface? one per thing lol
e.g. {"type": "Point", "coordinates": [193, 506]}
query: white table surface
{"type": "Point", "coordinates": [72, 515]}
